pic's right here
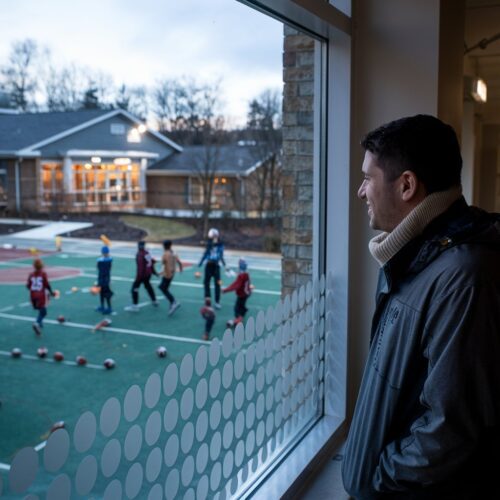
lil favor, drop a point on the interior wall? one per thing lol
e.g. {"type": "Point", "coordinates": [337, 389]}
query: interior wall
{"type": "Point", "coordinates": [488, 167]}
{"type": "Point", "coordinates": [396, 58]}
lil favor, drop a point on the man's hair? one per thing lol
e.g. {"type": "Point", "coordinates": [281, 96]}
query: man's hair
{"type": "Point", "coordinates": [38, 264]}
{"type": "Point", "coordinates": [423, 144]}
{"type": "Point", "coordinates": [167, 244]}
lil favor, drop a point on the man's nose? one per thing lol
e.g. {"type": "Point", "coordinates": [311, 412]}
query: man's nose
{"type": "Point", "coordinates": [361, 191]}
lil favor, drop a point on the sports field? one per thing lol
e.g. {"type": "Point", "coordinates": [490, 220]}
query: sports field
{"type": "Point", "coordinates": [37, 393]}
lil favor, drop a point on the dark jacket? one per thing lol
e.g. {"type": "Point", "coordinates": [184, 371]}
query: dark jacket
{"type": "Point", "coordinates": [427, 418]}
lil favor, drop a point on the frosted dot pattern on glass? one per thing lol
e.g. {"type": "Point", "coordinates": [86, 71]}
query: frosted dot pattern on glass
{"type": "Point", "coordinates": [202, 427]}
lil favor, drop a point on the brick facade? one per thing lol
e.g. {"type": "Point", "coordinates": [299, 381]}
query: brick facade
{"type": "Point", "coordinates": [297, 229]}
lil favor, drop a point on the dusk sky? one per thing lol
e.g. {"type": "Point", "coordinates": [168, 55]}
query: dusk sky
{"type": "Point", "coordinates": [138, 42]}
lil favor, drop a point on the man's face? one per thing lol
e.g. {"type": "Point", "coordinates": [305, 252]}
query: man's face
{"type": "Point", "coordinates": [380, 196]}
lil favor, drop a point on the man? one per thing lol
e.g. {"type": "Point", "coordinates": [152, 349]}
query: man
{"type": "Point", "coordinates": [145, 268]}
{"type": "Point", "coordinates": [214, 253]}
{"type": "Point", "coordinates": [427, 418]}
{"type": "Point", "coordinates": [170, 261]}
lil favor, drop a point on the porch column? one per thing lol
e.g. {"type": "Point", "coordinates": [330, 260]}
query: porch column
{"type": "Point", "coordinates": [67, 180]}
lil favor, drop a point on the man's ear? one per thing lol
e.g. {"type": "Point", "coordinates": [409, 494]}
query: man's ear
{"type": "Point", "coordinates": [410, 187]}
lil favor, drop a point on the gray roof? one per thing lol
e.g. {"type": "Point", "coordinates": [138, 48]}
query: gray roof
{"type": "Point", "coordinates": [18, 131]}
{"type": "Point", "coordinates": [232, 159]}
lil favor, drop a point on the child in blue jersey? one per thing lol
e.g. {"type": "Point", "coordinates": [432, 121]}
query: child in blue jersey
{"type": "Point", "coordinates": [214, 254]}
{"type": "Point", "coordinates": [103, 281]}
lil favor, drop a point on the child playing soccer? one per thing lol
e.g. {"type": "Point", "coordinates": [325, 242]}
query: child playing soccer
{"type": "Point", "coordinates": [103, 280]}
{"type": "Point", "coordinates": [241, 286]}
{"type": "Point", "coordinates": [169, 260]}
{"type": "Point", "coordinates": [208, 314]}
{"type": "Point", "coordinates": [39, 288]}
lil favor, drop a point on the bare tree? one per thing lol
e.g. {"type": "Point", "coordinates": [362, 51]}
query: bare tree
{"type": "Point", "coordinates": [63, 88]}
{"type": "Point", "coordinates": [19, 74]}
{"type": "Point", "coordinates": [264, 133]}
{"type": "Point", "coordinates": [134, 100]}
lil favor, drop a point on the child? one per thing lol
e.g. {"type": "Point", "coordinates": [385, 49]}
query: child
{"type": "Point", "coordinates": [39, 287]}
{"type": "Point", "coordinates": [214, 253]}
{"type": "Point", "coordinates": [208, 314]}
{"type": "Point", "coordinates": [241, 286]}
{"type": "Point", "coordinates": [169, 261]}
{"type": "Point", "coordinates": [145, 268]}
{"type": "Point", "coordinates": [104, 279]}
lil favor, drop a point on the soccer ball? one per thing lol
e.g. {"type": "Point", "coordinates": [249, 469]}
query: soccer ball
{"type": "Point", "coordinates": [109, 363]}
{"type": "Point", "coordinates": [58, 356]}
{"type": "Point", "coordinates": [61, 318]}
{"type": "Point", "coordinates": [16, 352]}
{"type": "Point", "coordinates": [81, 361]}
{"type": "Point", "coordinates": [197, 274]}
{"type": "Point", "coordinates": [94, 290]}
{"type": "Point", "coordinates": [42, 352]}
{"type": "Point", "coordinates": [161, 352]}
{"type": "Point", "coordinates": [213, 233]}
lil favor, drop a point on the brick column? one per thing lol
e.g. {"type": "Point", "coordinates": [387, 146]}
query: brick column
{"type": "Point", "coordinates": [297, 209]}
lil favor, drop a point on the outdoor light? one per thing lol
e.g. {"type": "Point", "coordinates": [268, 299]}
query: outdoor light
{"type": "Point", "coordinates": [88, 166]}
{"type": "Point", "coordinates": [142, 128]}
{"type": "Point", "coordinates": [479, 90]}
{"type": "Point", "coordinates": [95, 159]}
{"type": "Point", "coordinates": [121, 161]}
{"type": "Point", "coordinates": [134, 135]}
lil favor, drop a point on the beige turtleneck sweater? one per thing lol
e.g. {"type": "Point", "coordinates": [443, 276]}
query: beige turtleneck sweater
{"type": "Point", "coordinates": [385, 245]}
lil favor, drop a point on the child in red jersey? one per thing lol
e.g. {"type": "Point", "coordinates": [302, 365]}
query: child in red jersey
{"type": "Point", "coordinates": [241, 286]}
{"type": "Point", "coordinates": [39, 288]}
{"type": "Point", "coordinates": [208, 314]}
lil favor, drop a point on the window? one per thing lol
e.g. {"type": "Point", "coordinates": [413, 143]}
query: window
{"type": "Point", "coordinates": [52, 183]}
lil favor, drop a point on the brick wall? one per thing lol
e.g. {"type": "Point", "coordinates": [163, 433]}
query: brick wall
{"type": "Point", "coordinates": [297, 231]}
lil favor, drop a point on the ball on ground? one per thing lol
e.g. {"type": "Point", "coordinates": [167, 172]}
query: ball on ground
{"type": "Point", "coordinates": [161, 352]}
{"type": "Point", "coordinates": [81, 361]}
{"type": "Point", "coordinates": [197, 274]}
{"type": "Point", "coordinates": [109, 363]}
{"type": "Point", "coordinates": [58, 356]}
{"type": "Point", "coordinates": [42, 352]}
{"type": "Point", "coordinates": [16, 352]}
{"type": "Point", "coordinates": [61, 318]}
{"type": "Point", "coordinates": [74, 289]}
{"type": "Point", "coordinates": [94, 290]}
{"type": "Point", "coordinates": [57, 294]}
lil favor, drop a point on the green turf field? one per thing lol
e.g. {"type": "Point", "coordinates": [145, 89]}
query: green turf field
{"type": "Point", "coordinates": [37, 393]}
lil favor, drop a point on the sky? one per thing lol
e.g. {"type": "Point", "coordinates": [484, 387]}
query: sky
{"type": "Point", "coordinates": [139, 42]}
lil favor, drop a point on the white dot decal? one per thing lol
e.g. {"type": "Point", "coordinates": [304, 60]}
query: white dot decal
{"type": "Point", "coordinates": [250, 415]}
{"type": "Point", "coordinates": [171, 451]}
{"type": "Point", "coordinates": [133, 403]}
{"type": "Point", "coordinates": [269, 345]}
{"type": "Point", "coordinates": [239, 424]}
{"type": "Point", "coordinates": [187, 437]}
{"type": "Point", "coordinates": [286, 307]}
{"type": "Point", "coordinates": [215, 446]}
{"type": "Point", "coordinates": [308, 292]}
{"type": "Point", "coordinates": [86, 475]}
{"type": "Point", "coordinates": [278, 335]}
{"type": "Point", "coordinates": [214, 352]}
{"type": "Point", "coordinates": [316, 289]}
{"type": "Point", "coordinates": [152, 390]}
{"type": "Point", "coordinates": [250, 358]}
{"type": "Point", "coordinates": [113, 490]}
{"type": "Point", "coordinates": [250, 330]}
{"type": "Point", "coordinates": [294, 302]}
{"type": "Point", "coordinates": [186, 371]}
{"type": "Point", "coordinates": [302, 296]}
{"type": "Point", "coordinates": [269, 371]}
{"type": "Point", "coordinates": [60, 488]}
{"type": "Point", "coordinates": [269, 424]}
{"type": "Point", "coordinates": [260, 351]}
{"type": "Point", "coordinates": [259, 324]}
{"type": "Point", "coordinates": [133, 443]}
{"type": "Point", "coordinates": [109, 421]}
{"type": "Point", "coordinates": [259, 407]}
{"type": "Point", "coordinates": [153, 428]}
{"type": "Point", "coordinates": [172, 484]}
{"type": "Point", "coordinates": [215, 414]}
{"type": "Point", "coordinates": [201, 426]}
{"type": "Point", "coordinates": [187, 471]}
{"type": "Point", "coordinates": [214, 385]}
{"type": "Point", "coordinates": [215, 476]}
{"type": "Point", "coordinates": [171, 415]}
{"type": "Point", "coordinates": [202, 488]}
{"type": "Point", "coordinates": [239, 453]}
{"type": "Point", "coordinates": [239, 395]}
{"type": "Point", "coordinates": [227, 343]}
{"type": "Point", "coordinates": [239, 365]}
{"type": "Point", "coordinates": [201, 393]}
{"type": "Point", "coordinates": [278, 415]}
{"type": "Point", "coordinates": [227, 374]}
{"type": "Point", "coordinates": [156, 492]}
{"type": "Point", "coordinates": [227, 405]}
{"type": "Point", "coordinates": [259, 435]}
{"type": "Point", "coordinates": [202, 458]}
{"type": "Point", "coordinates": [227, 467]}
{"type": "Point", "coordinates": [322, 284]}
{"type": "Point", "coordinates": [227, 435]}
{"type": "Point", "coordinates": [269, 321]}
{"type": "Point", "coordinates": [23, 470]}
{"type": "Point", "coordinates": [133, 482]}
{"type": "Point", "coordinates": [56, 450]}
{"type": "Point", "coordinates": [250, 443]}
{"type": "Point", "coordinates": [260, 379]}
{"type": "Point", "coordinates": [201, 360]}
{"type": "Point", "coordinates": [250, 386]}
{"type": "Point", "coordinates": [170, 378]}
{"type": "Point", "coordinates": [85, 431]}
{"type": "Point", "coordinates": [278, 313]}
{"type": "Point", "coordinates": [187, 403]}
{"type": "Point", "coordinates": [239, 336]}
{"type": "Point", "coordinates": [322, 305]}
{"type": "Point", "coordinates": [153, 465]}
{"type": "Point", "coordinates": [110, 457]}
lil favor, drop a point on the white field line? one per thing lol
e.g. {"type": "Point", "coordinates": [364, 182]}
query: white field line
{"type": "Point", "coordinates": [50, 360]}
{"type": "Point", "coordinates": [4, 466]}
{"type": "Point", "coordinates": [181, 283]}
{"type": "Point", "coordinates": [40, 446]}
{"type": "Point", "coordinates": [110, 329]}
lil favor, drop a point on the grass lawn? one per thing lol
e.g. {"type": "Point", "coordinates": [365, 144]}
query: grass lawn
{"type": "Point", "coordinates": [159, 228]}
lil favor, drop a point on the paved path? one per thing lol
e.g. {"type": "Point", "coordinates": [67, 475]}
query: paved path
{"type": "Point", "coordinates": [52, 229]}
